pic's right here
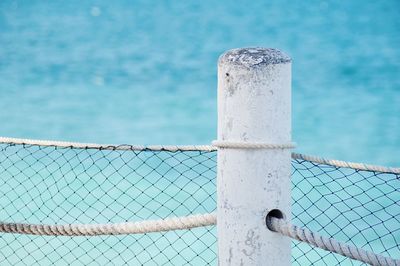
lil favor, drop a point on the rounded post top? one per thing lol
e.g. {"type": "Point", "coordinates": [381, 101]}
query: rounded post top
{"type": "Point", "coordinates": [253, 57]}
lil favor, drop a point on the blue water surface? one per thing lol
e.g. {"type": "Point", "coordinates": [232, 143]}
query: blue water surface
{"type": "Point", "coordinates": [144, 72]}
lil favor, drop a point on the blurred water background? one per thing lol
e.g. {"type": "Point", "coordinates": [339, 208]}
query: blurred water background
{"type": "Point", "coordinates": [144, 72]}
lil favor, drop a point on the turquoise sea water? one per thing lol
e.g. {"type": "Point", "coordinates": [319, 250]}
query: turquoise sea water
{"type": "Point", "coordinates": [145, 73]}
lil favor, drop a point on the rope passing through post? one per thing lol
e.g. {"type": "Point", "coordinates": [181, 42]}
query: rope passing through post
{"type": "Point", "coordinates": [303, 234]}
{"type": "Point", "coordinates": [192, 221]}
{"type": "Point", "coordinates": [182, 223]}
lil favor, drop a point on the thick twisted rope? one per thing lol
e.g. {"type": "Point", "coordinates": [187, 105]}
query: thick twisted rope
{"type": "Point", "coordinates": [206, 148]}
{"type": "Point", "coordinates": [180, 223]}
{"type": "Point", "coordinates": [303, 234]}
{"type": "Point", "coordinates": [142, 227]}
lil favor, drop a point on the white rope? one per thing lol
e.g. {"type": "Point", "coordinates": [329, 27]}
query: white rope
{"type": "Point", "coordinates": [142, 227]}
{"type": "Point", "coordinates": [188, 222]}
{"type": "Point", "coordinates": [180, 223]}
{"type": "Point", "coordinates": [302, 234]}
{"type": "Point", "coordinates": [123, 147]}
{"type": "Point", "coordinates": [337, 163]}
{"type": "Point", "coordinates": [315, 159]}
{"type": "Point", "coordinates": [208, 148]}
{"type": "Point", "coordinates": [250, 145]}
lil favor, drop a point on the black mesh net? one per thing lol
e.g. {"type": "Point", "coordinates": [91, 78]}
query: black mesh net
{"type": "Point", "coordinates": [361, 208]}
{"type": "Point", "coordinates": [65, 185]}
{"type": "Point", "coordinates": [53, 185]}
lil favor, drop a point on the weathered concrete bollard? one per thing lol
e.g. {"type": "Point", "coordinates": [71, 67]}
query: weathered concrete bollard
{"type": "Point", "coordinates": [254, 106]}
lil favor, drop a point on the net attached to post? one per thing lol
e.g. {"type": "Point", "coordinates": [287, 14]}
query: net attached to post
{"type": "Point", "coordinates": [60, 183]}
{"type": "Point", "coordinates": [101, 185]}
{"type": "Point", "coordinates": [358, 207]}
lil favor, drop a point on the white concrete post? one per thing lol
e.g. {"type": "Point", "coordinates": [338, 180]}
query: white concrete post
{"type": "Point", "coordinates": [254, 106]}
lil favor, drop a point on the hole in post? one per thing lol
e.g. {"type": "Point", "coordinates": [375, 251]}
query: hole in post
{"type": "Point", "coordinates": [275, 213]}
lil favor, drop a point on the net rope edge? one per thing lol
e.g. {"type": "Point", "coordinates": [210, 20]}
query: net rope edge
{"type": "Point", "coordinates": [176, 148]}
{"type": "Point", "coordinates": [121, 147]}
